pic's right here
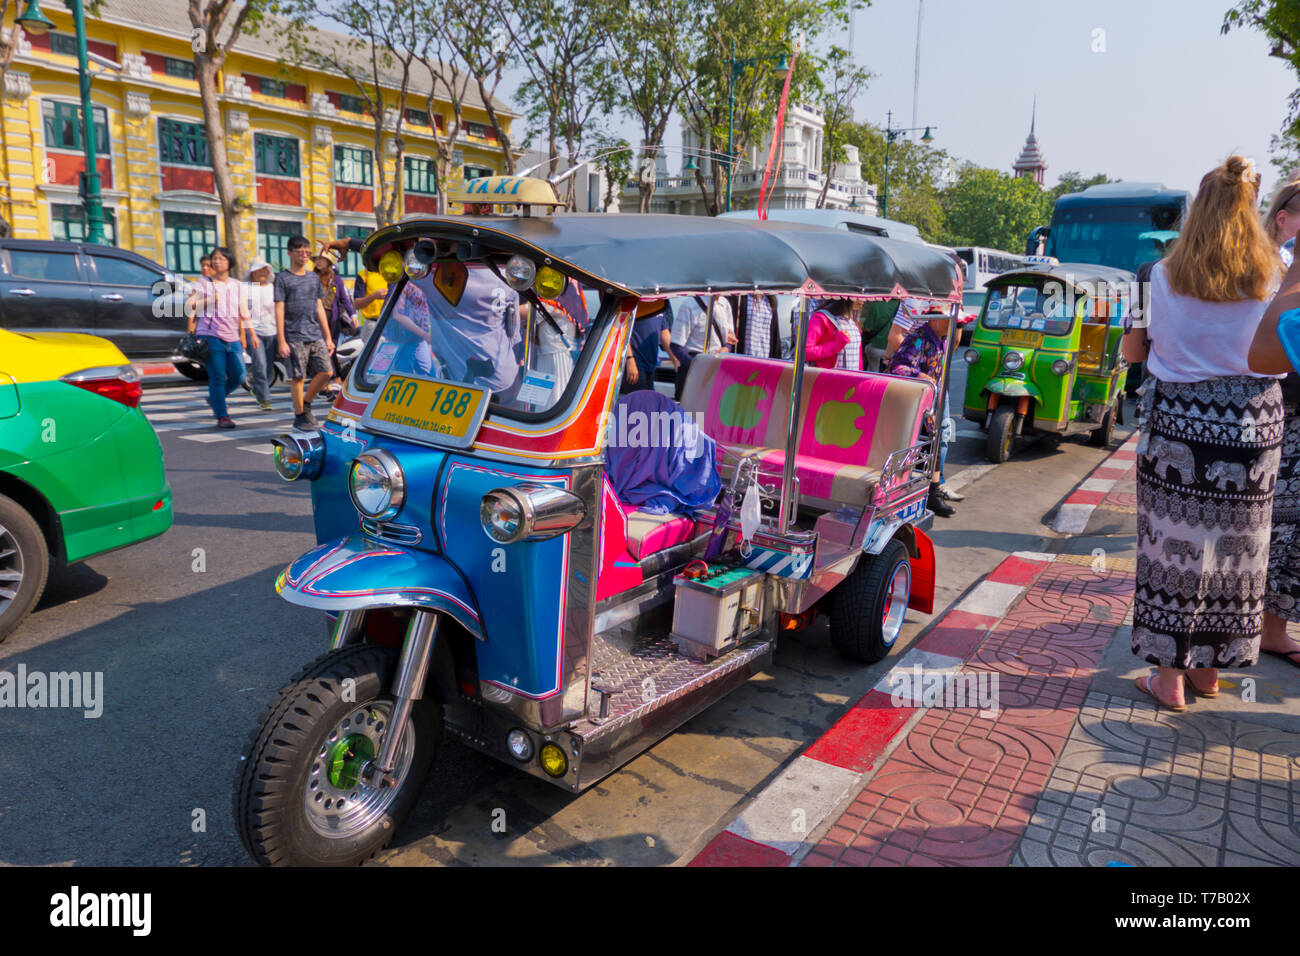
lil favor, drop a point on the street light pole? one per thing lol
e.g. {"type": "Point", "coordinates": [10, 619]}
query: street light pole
{"type": "Point", "coordinates": [892, 134]}
{"type": "Point", "coordinates": [37, 24]}
{"type": "Point", "coordinates": [734, 67]}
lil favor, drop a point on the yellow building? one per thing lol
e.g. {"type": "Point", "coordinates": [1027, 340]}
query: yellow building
{"type": "Point", "coordinates": [300, 147]}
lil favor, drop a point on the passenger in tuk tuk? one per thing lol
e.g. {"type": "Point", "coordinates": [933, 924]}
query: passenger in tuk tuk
{"type": "Point", "coordinates": [651, 331]}
{"type": "Point", "coordinates": [699, 327]}
{"type": "Point", "coordinates": [834, 339]}
{"type": "Point", "coordinates": [758, 333]}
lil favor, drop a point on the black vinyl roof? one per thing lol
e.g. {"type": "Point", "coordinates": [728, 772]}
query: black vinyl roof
{"type": "Point", "coordinates": [663, 255]}
{"type": "Point", "coordinates": [1068, 272]}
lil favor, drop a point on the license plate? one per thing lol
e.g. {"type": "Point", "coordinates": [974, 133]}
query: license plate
{"type": "Point", "coordinates": [1023, 340]}
{"type": "Point", "coordinates": [428, 408]}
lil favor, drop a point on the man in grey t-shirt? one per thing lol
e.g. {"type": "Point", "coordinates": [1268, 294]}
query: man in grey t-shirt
{"type": "Point", "coordinates": [303, 329]}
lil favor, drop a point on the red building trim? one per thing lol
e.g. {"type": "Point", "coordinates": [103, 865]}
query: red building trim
{"type": "Point", "coordinates": [188, 177]}
{"type": "Point", "coordinates": [354, 199]}
{"type": "Point", "coordinates": [281, 192]}
{"type": "Point", "coordinates": [415, 202]}
{"type": "Point", "coordinates": [61, 169]}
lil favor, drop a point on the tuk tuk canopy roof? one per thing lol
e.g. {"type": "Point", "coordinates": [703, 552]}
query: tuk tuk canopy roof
{"type": "Point", "coordinates": [1068, 273]}
{"type": "Point", "coordinates": [655, 256]}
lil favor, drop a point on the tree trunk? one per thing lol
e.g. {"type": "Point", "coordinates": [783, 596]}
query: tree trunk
{"type": "Point", "coordinates": [507, 156]}
{"type": "Point", "coordinates": [232, 206]}
{"type": "Point", "coordinates": [826, 185]}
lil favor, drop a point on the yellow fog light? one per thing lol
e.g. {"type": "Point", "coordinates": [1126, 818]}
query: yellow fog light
{"type": "Point", "coordinates": [549, 282]}
{"type": "Point", "coordinates": [553, 760]}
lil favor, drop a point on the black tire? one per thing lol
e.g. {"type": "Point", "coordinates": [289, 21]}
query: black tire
{"type": "Point", "coordinates": [1002, 433]}
{"type": "Point", "coordinates": [286, 760]}
{"type": "Point", "coordinates": [24, 564]}
{"type": "Point", "coordinates": [1101, 435]}
{"type": "Point", "coordinates": [857, 607]}
{"type": "Point", "coordinates": [192, 371]}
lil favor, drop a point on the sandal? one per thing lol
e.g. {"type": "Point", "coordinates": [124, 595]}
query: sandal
{"type": "Point", "coordinates": [1144, 684]}
{"type": "Point", "coordinates": [1288, 656]}
{"type": "Point", "coordinates": [1207, 694]}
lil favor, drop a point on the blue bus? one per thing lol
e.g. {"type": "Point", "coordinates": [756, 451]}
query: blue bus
{"type": "Point", "coordinates": [1120, 225]}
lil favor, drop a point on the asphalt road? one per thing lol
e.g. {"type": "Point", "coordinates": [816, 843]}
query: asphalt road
{"type": "Point", "coordinates": [193, 644]}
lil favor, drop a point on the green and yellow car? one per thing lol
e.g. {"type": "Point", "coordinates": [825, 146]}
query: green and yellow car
{"type": "Point", "coordinates": [81, 469]}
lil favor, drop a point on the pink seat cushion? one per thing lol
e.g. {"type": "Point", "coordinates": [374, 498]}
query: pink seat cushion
{"type": "Point", "coordinates": [648, 534]}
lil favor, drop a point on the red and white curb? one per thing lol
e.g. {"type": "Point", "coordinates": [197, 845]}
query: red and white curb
{"type": "Point", "coordinates": [776, 827]}
{"type": "Point", "coordinates": [1074, 513]}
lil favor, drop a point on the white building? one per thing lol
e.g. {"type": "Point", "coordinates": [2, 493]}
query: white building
{"type": "Point", "coordinates": [796, 182]}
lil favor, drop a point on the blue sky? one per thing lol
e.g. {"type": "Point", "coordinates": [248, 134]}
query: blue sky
{"type": "Point", "coordinates": [1167, 99]}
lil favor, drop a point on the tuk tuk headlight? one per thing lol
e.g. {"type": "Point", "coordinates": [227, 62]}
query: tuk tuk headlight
{"type": "Point", "coordinates": [1013, 361]}
{"type": "Point", "coordinates": [520, 271]}
{"type": "Point", "coordinates": [1060, 366]}
{"type": "Point", "coordinates": [529, 512]}
{"type": "Point", "coordinates": [298, 455]}
{"type": "Point", "coordinates": [377, 485]}
{"type": "Point", "coordinates": [550, 282]}
{"type": "Point", "coordinates": [971, 356]}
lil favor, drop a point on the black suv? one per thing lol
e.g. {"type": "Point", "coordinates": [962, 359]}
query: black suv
{"type": "Point", "coordinates": [52, 286]}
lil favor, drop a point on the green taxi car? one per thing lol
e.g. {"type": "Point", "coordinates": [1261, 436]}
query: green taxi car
{"type": "Point", "coordinates": [81, 469]}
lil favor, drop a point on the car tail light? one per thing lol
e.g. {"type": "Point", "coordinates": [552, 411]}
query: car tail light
{"type": "Point", "coordinates": [121, 383]}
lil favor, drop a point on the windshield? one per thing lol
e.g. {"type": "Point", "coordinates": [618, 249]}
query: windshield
{"type": "Point", "coordinates": [1119, 236]}
{"type": "Point", "coordinates": [462, 323]}
{"type": "Point", "coordinates": [1028, 308]}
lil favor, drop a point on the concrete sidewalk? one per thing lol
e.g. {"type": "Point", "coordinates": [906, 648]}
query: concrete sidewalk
{"type": "Point", "coordinates": [1075, 766]}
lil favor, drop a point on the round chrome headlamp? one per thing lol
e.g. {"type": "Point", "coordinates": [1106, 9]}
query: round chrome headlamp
{"type": "Point", "coordinates": [1060, 366]}
{"type": "Point", "coordinates": [1013, 361]}
{"type": "Point", "coordinates": [529, 512]}
{"type": "Point", "coordinates": [377, 485]}
{"type": "Point", "coordinates": [520, 745]}
{"type": "Point", "coordinates": [298, 455]}
{"type": "Point", "coordinates": [416, 266]}
{"type": "Point", "coordinates": [971, 356]}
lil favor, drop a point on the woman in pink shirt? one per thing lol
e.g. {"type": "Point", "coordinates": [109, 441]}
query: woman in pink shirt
{"type": "Point", "coordinates": [827, 337]}
{"type": "Point", "coordinates": [218, 310]}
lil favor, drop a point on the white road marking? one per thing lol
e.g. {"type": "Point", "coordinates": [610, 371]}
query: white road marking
{"type": "Point", "coordinates": [991, 598]}
{"type": "Point", "coordinates": [233, 434]}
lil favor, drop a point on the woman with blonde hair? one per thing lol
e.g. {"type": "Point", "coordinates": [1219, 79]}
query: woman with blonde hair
{"type": "Point", "coordinates": [1210, 443]}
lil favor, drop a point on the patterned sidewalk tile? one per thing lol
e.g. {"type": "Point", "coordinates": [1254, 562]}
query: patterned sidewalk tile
{"type": "Point", "coordinates": [1140, 786]}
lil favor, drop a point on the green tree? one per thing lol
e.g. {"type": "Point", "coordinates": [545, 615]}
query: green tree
{"type": "Point", "coordinates": [1279, 21]}
{"type": "Point", "coordinates": [759, 30]}
{"type": "Point", "coordinates": [1073, 182]}
{"type": "Point", "coordinates": [841, 87]}
{"type": "Point", "coordinates": [987, 207]}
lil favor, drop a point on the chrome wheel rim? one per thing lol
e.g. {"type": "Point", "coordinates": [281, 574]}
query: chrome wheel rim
{"type": "Point", "coordinates": [896, 597]}
{"type": "Point", "coordinates": [336, 803]}
{"type": "Point", "coordinates": [11, 569]}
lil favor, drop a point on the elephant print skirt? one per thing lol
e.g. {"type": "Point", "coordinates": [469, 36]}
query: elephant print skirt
{"type": "Point", "coordinates": [1283, 598]}
{"type": "Point", "coordinates": [1207, 464]}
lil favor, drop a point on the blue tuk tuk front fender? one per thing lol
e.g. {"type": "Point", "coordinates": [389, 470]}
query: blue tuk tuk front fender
{"type": "Point", "coordinates": [356, 573]}
{"type": "Point", "coordinates": [1013, 388]}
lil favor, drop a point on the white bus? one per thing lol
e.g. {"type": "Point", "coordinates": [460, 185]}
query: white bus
{"type": "Point", "coordinates": [982, 265]}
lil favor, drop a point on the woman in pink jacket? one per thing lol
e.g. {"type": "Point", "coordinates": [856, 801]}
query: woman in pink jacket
{"type": "Point", "coordinates": [831, 331]}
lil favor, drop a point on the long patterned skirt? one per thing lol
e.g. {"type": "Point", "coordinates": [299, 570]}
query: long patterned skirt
{"type": "Point", "coordinates": [1283, 597]}
{"type": "Point", "coordinates": [1207, 464]}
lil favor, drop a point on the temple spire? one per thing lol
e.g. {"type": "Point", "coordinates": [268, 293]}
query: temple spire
{"type": "Point", "coordinates": [1031, 164]}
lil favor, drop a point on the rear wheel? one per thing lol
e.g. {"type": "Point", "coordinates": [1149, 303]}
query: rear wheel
{"type": "Point", "coordinates": [1002, 432]}
{"type": "Point", "coordinates": [24, 564]}
{"type": "Point", "coordinates": [192, 370]}
{"type": "Point", "coordinates": [299, 797]}
{"type": "Point", "coordinates": [1102, 434]}
{"type": "Point", "coordinates": [868, 608]}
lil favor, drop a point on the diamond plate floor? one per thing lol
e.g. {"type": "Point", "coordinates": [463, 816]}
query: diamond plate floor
{"type": "Point", "coordinates": [1151, 788]}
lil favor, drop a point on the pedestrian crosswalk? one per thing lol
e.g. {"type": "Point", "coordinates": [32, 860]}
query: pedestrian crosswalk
{"type": "Point", "coordinates": [185, 412]}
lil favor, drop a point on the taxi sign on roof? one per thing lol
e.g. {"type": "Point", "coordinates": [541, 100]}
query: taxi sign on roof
{"type": "Point", "coordinates": [506, 190]}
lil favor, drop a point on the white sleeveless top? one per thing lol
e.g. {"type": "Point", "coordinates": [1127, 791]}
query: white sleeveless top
{"type": "Point", "coordinates": [1193, 340]}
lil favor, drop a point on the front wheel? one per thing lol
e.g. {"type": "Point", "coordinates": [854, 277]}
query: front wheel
{"type": "Point", "coordinates": [868, 607]}
{"type": "Point", "coordinates": [1002, 432]}
{"type": "Point", "coordinates": [299, 800]}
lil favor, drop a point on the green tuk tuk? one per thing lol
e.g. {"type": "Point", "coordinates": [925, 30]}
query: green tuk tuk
{"type": "Point", "coordinates": [1045, 354]}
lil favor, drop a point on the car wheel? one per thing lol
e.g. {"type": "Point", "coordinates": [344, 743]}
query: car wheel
{"type": "Point", "coordinates": [868, 607]}
{"type": "Point", "coordinates": [1101, 435]}
{"type": "Point", "coordinates": [24, 564]}
{"type": "Point", "coordinates": [299, 799]}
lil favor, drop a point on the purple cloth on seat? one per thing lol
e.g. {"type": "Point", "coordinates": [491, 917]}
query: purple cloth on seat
{"type": "Point", "coordinates": [658, 458]}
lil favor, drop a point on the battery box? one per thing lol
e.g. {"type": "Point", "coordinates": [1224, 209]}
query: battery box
{"type": "Point", "coordinates": [717, 610]}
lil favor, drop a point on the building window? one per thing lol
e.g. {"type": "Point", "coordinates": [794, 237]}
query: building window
{"type": "Point", "coordinates": [183, 143]}
{"type": "Point", "coordinates": [477, 172]}
{"type": "Point", "coordinates": [183, 69]}
{"type": "Point", "coordinates": [273, 237]}
{"type": "Point", "coordinates": [419, 176]}
{"type": "Point", "coordinates": [352, 166]}
{"type": "Point", "coordinates": [352, 104]}
{"type": "Point", "coordinates": [476, 129]}
{"type": "Point", "coordinates": [63, 126]}
{"type": "Point", "coordinates": [269, 87]}
{"type": "Point", "coordinates": [68, 222]}
{"type": "Point", "coordinates": [275, 155]}
{"type": "Point", "coordinates": [417, 117]}
{"type": "Point", "coordinates": [63, 44]}
{"type": "Point", "coordinates": [187, 238]}
{"type": "Point", "coordinates": [351, 264]}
